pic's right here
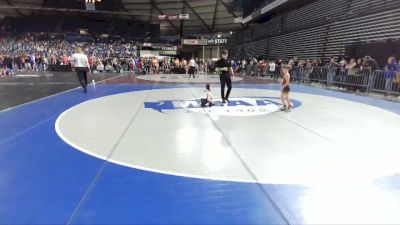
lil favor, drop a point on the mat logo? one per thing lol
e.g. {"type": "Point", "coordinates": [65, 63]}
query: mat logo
{"type": "Point", "coordinates": [247, 106]}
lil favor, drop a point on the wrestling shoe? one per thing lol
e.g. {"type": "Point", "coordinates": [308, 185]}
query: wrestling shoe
{"type": "Point", "coordinates": [289, 109]}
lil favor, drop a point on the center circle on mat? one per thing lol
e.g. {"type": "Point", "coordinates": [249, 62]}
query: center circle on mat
{"type": "Point", "coordinates": [182, 78]}
{"type": "Point", "coordinates": [325, 140]}
{"type": "Point", "coordinates": [237, 107]}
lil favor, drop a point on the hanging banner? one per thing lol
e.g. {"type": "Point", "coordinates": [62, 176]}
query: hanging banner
{"type": "Point", "coordinates": [174, 17]}
{"type": "Point", "coordinates": [162, 17]}
{"type": "Point", "coordinates": [216, 41]}
{"type": "Point", "coordinates": [192, 42]}
{"type": "Point", "coordinates": [183, 16]}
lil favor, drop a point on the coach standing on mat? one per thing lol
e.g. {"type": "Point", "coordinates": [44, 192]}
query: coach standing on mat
{"type": "Point", "coordinates": [224, 68]}
{"type": "Point", "coordinates": [80, 64]}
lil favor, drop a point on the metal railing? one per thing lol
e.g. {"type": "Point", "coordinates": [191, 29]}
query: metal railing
{"type": "Point", "coordinates": [366, 81]}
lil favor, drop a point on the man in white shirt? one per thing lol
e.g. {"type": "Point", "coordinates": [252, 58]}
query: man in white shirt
{"type": "Point", "coordinates": [80, 64]}
{"type": "Point", "coordinates": [272, 68]}
{"type": "Point", "coordinates": [192, 68]}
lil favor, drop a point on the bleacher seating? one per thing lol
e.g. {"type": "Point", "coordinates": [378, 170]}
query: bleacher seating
{"type": "Point", "coordinates": [270, 28]}
{"type": "Point", "coordinates": [304, 44]}
{"type": "Point", "coordinates": [256, 49]}
{"type": "Point", "coordinates": [372, 27]}
{"type": "Point", "coordinates": [367, 6]}
{"type": "Point", "coordinates": [95, 25]}
{"type": "Point", "coordinates": [314, 14]}
{"type": "Point", "coordinates": [319, 30]}
{"type": "Point", "coordinates": [32, 24]}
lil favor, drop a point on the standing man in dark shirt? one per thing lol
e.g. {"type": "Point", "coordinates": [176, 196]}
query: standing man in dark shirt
{"type": "Point", "coordinates": [8, 63]}
{"type": "Point", "coordinates": [370, 64]}
{"type": "Point", "coordinates": [225, 70]}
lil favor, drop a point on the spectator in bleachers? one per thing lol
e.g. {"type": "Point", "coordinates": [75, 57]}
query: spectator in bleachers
{"type": "Point", "coordinates": [352, 74]}
{"type": "Point", "coordinates": [308, 69]}
{"type": "Point", "coordinates": [249, 64]}
{"type": "Point", "coordinates": [367, 72]}
{"type": "Point", "coordinates": [2, 71]}
{"type": "Point", "coordinates": [343, 63]}
{"type": "Point", "coordinates": [295, 61]}
{"type": "Point", "coordinates": [124, 64]}
{"type": "Point", "coordinates": [32, 61]}
{"type": "Point", "coordinates": [264, 67]}
{"type": "Point", "coordinates": [184, 65]}
{"type": "Point", "coordinates": [18, 62]}
{"type": "Point", "coordinates": [52, 60]}
{"type": "Point", "coordinates": [65, 59]}
{"type": "Point", "coordinates": [272, 68]}
{"type": "Point", "coordinates": [41, 63]}
{"type": "Point", "coordinates": [140, 65]}
{"type": "Point", "coordinates": [100, 67]}
{"type": "Point", "coordinates": [155, 65]}
{"type": "Point", "coordinates": [211, 67]}
{"type": "Point", "coordinates": [342, 78]}
{"type": "Point", "coordinates": [243, 67]}
{"type": "Point", "coordinates": [369, 64]}
{"type": "Point", "coordinates": [254, 68]}
{"type": "Point", "coordinates": [293, 64]}
{"type": "Point", "coordinates": [351, 67]}
{"type": "Point", "coordinates": [391, 70]}
{"type": "Point", "coordinates": [147, 66]}
{"type": "Point", "coordinates": [300, 68]}
{"type": "Point", "coordinates": [91, 62]}
{"type": "Point", "coordinates": [290, 63]}
{"type": "Point", "coordinates": [316, 70]}
{"type": "Point", "coordinates": [27, 64]}
{"type": "Point", "coordinates": [279, 68]}
{"type": "Point", "coordinates": [333, 69]}
{"type": "Point", "coordinates": [8, 62]}
{"type": "Point", "coordinates": [108, 67]}
{"type": "Point", "coordinates": [358, 67]}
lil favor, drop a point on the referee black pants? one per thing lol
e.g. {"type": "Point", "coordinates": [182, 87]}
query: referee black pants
{"type": "Point", "coordinates": [81, 72]}
{"type": "Point", "coordinates": [225, 81]}
{"type": "Point", "coordinates": [191, 71]}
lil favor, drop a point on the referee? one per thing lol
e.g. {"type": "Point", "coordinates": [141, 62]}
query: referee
{"type": "Point", "coordinates": [80, 64]}
{"type": "Point", "coordinates": [224, 68]}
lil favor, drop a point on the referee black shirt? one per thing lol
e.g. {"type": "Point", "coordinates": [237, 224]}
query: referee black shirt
{"type": "Point", "coordinates": [223, 63]}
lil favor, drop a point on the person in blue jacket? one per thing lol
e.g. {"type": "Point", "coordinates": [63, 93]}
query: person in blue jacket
{"type": "Point", "coordinates": [391, 70]}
